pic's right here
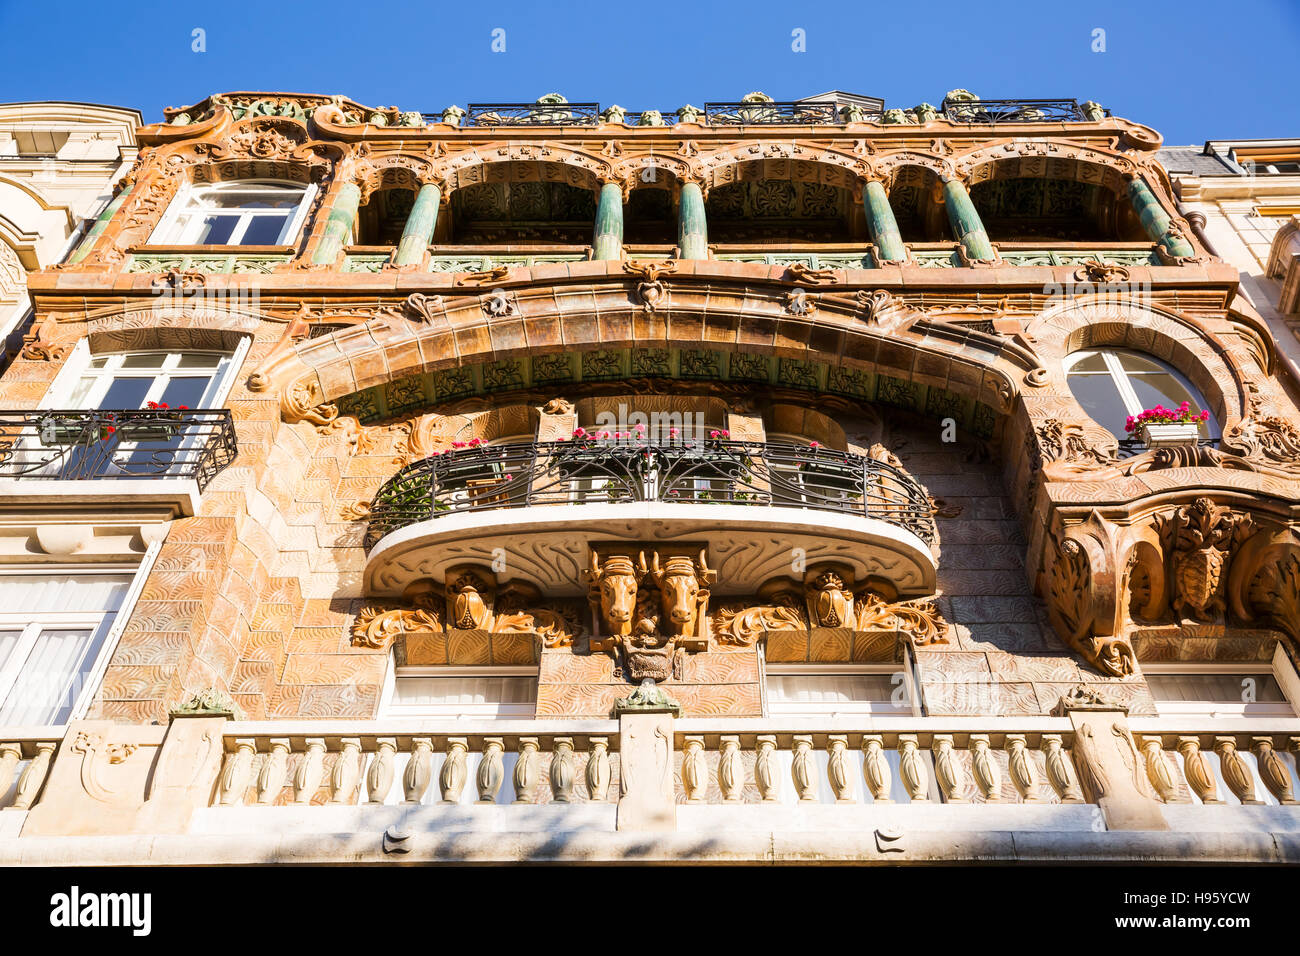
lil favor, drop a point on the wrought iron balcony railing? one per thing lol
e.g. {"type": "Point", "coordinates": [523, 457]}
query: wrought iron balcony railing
{"type": "Point", "coordinates": [1017, 111]}
{"type": "Point", "coordinates": [532, 114]}
{"type": "Point", "coordinates": [64, 445]}
{"type": "Point", "coordinates": [674, 472]}
{"type": "Point", "coordinates": [771, 113]}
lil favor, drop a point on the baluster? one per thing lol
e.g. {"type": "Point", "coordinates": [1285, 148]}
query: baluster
{"type": "Point", "coordinates": [379, 777]}
{"type": "Point", "coordinates": [307, 778]}
{"type": "Point", "coordinates": [270, 779]}
{"type": "Point", "coordinates": [912, 768]}
{"type": "Point", "coordinates": [562, 776]}
{"type": "Point", "coordinates": [875, 768]}
{"type": "Point", "coordinates": [694, 771]}
{"type": "Point", "coordinates": [347, 771]}
{"type": "Point", "coordinates": [33, 778]}
{"type": "Point", "coordinates": [951, 774]}
{"type": "Point", "coordinates": [765, 768]}
{"type": "Point", "coordinates": [1024, 775]}
{"type": "Point", "coordinates": [1158, 770]}
{"type": "Point", "coordinates": [419, 770]}
{"type": "Point", "coordinates": [1273, 770]}
{"type": "Point", "coordinates": [234, 776]}
{"type": "Point", "coordinates": [491, 771]}
{"type": "Point", "coordinates": [452, 776]}
{"type": "Point", "coordinates": [598, 772]}
{"type": "Point", "coordinates": [987, 773]}
{"type": "Point", "coordinates": [837, 771]}
{"type": "Point", "coordinates": [1197, 770]}
{"type": "Point", "coordinates": [731, 771]}
{"type": "Point", "coordinates": [802, 771]}
{"type": "Point", "coordinates": [1060, 770]}
{"type": "Point", "coordinates": [1236, 772]}
{"type": "Point", "coordinates": [10, 755]}
{"type": "Point", "coordinates": [526, 771]}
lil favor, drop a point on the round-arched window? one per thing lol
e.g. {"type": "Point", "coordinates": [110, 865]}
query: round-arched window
{"type": "Point", "coordinates": [1113, 384]}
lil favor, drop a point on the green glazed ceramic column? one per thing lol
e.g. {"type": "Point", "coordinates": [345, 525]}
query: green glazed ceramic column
{"type": "Point", "coordinates": [607, 241]}
{"type": "Point", "coordinates": [420, 223]}
{"type": "Point", "coordinates": [100, 224]}
{"type": "Point", "coordinates": [1155, 220]}
{"type": "Point", "coordinates": [882, 224]}
{"type": "Point", "coordinates": [966, 224]}
{"type": "Point", "coordinates": [338, 227]}
{"type": "Point", "coordinates": [692, 230]}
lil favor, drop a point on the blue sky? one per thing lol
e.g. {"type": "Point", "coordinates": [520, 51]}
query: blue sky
{"type": "Point", "coordinates": [1185, 68]}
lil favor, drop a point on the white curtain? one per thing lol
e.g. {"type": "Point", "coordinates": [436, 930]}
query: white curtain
{"type": "Point", "coordinates": [52, 677]}
{"type": "Point", "coordinates": [48, 593]}
{"type": "Point", "coordinates": [434, 691]}
{"type": "Point", "coordinates": [828, 688]}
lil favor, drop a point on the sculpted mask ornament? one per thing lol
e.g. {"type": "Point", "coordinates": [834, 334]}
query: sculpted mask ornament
{"type": "Point", "coordinates": [830, 600]}
{"type": "Point", "coordinates": [1198, 540]}
{"type": "Point", "coordinates": [469, 600]}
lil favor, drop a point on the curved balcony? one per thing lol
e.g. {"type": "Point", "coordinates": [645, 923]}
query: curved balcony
{"type": "Point", "coordinates": [761, 508]}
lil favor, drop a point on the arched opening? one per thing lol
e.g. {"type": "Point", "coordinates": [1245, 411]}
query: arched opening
{"type": "Point", "coordinates": [649, 216]}
{"type": "Point", "coordinates": [522, 213]}
{"type": "Point", "coordinates": [1025, 208]}
{"type": "Point", "coordinates": [783, 210]}
{"type": "Point", "coordinates": [914, 197]}
{"type": "Point", "coordinates": [381, 220]}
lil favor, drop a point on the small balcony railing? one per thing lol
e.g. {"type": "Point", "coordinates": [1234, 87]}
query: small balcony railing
{"type": "Point", "coordinates": [691, 472]}
{"type": "Point", "coordinates": [59, 445]}
{"type": "Point", "coordinates": [532, 114]}
{"type": "Point", "coordinates": [774, 113]}
{"type": "Point", "coordinates": [1016, 111]}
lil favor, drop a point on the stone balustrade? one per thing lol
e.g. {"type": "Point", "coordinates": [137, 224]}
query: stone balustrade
{"type": "Point", "coordinates": [870, 787]}
{"type": "Point", "coordinates": [25, 758]}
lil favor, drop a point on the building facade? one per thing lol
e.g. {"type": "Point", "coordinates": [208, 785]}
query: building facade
{"type": "Point", "coordinates": [59, 164]}
{"type": "Point", "coordinates": [1245, 195]}
{"type": "Point", "coordinates": [765, 481]}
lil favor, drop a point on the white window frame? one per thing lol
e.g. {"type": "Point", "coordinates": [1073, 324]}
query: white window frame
{"type": "Point", "coordinates": [839, 707]}
{"type": "Point", "coordinates": [166, 232]}
{"type": "Point", "coordinates": [489, 711]}
{"type": "Point", "coordinates": [1282, 672]}
{"type": "Point", "coordinates": [78, 366]}
{"type": "Point", "coordinates": [54, 620]}
{"type": "Point", "coordinates": [1120, 377]}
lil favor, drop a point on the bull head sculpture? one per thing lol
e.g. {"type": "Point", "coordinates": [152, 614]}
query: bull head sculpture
{"type": "Point", "coordinates": [683, 584]}
{"type": "Point", "coordinates": [613, 591]}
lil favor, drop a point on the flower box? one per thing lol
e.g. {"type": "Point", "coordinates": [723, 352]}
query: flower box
{"type": "Point", "coordinates": [1165, 436]}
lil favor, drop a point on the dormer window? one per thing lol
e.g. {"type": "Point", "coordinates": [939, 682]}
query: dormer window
{"type": "Point", "coordinates": [241, 213]}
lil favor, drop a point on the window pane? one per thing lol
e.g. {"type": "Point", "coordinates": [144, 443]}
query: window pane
{"type": "Point", "coordinates": [829, 688]}
{"type": "Point", "coordinates": [1221, 688]}
{"type": "Point", "coordinates": [1093, 363]}
{"type": "Point", "coordinates": [409, 691]}
{"type": "Point", "coordinates": [126, 393]}
{"type": "Point", "coordinates": [1135, 362]}
{"type": "Point", "coordinates": [200, 360]}
{"type": "Point", "coordinates": [1161, 389]}
{"type": "Point", "coordinates": [52, 677]}
{"type": "Point", "coordinates": [8, 643]}
{"type": "Point", "coordinates": [263, 197]}
{"type": "Point", "coordinates": [263, 230]}
{"type": "Point", "coordinates": [187, 390]}
{"type": "Point", "coordinates": [144, 360]}
{"type": "Point", "coordinates": [215, 230]}
{"type": "Point", "coordinates": [1101, 400]}
{"type": "Point", "coordinates": [77, 593]}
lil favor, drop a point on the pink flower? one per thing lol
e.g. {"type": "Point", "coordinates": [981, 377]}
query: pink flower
{"type": "Point", "coordinates": [814, 444]}
{"type": "Point", "coordinates": [640, 428]}
{"type": "Point", "coordinates": [458, 444]}
{"type": "Point", "coordinates": [579, 432]}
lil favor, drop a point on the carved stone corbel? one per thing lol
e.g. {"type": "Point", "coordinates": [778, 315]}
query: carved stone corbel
{"type": "Point", "coordinates": [1083, 598]}
{"type": "Point", "coordinates": [1199, 540]}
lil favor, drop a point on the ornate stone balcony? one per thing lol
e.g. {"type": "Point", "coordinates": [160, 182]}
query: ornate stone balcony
{"type": "Point", "coordinates": [752, 504]}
